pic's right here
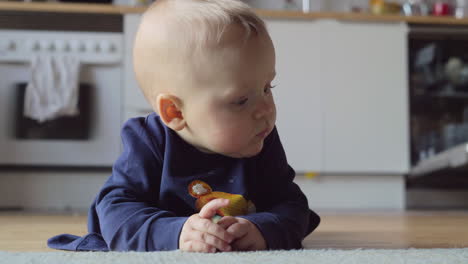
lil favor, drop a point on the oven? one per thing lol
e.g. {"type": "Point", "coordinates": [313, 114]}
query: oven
{"type": "Point", "coordinates": [90, 136]}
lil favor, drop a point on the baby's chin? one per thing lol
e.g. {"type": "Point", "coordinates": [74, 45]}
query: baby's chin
{"type": "Point", "coordinates": [228, 151]}
{"type": "Point", "coordinates": [249, 153]}
{"type": "Point", "coordinates": [240, 156]}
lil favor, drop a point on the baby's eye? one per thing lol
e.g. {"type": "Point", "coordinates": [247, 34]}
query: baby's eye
{"type": "Point", "coordinates": [241, 102]}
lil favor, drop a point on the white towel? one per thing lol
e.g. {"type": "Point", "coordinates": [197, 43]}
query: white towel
{"type": "Point", "coordinates": [53, 89]}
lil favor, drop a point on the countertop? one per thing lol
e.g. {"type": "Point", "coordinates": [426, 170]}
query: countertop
{"type": "Point", "coordinates": [274, 14]}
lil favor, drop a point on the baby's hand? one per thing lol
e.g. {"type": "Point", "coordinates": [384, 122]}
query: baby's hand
{"type": "Point", "coordinates": [200, 234]}
{"type": "Point", "coordinates": [246, 234]}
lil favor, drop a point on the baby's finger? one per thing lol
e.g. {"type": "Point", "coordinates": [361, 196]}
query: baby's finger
{"type": "Point", "coordinates": [210, 240]}
{"type": "Point", "coordinates": [197, 246]}
{"type": "Point", "coordinates": [227, 221]}
{"type": "Point", "coordinates": [206, 226]}
{"type": "Point", "coordinates": [209, 209]}
{"type": "Point", "coordinates": [238, 230]}
{"type": "Point", "coordinates": [243, 244]}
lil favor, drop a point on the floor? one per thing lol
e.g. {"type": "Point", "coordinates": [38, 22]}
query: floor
{"type": "Point", "coordinates": [415, 229]}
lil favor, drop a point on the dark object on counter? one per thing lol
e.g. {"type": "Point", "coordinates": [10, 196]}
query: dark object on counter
{"type": "Point", "coordinates": [66, 127]}
{"type": "Point", "coordinates": [87, 1]}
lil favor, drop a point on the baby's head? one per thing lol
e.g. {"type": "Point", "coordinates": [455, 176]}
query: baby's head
{"type": "Point", "coordinates": [206, 67]}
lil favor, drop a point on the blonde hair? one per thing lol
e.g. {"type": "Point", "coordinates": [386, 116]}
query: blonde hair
{"type": "Point", "coordinates": [185, 28]}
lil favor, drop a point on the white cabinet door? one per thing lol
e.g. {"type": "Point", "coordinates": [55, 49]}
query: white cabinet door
{"type": "Point", "coordinates": [135, 103]}
{"type": "Point", "coordinates": [297, 95]}
{"type": "Point", "coordinates": [365, 97]}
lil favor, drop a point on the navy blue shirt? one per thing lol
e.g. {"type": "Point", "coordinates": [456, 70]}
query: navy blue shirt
{"type": "Point", "coordinates": [146, 201]}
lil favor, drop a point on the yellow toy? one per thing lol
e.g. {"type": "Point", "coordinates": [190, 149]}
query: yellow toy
{"type": "Point", "coordinates": [238, 205]}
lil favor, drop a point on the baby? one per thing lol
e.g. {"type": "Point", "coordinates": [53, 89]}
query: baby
{"type": "Point", "coordinates": [210, 152]}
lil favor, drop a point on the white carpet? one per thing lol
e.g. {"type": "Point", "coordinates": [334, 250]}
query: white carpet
{"type": "Point", "coordinates": [410, 256]}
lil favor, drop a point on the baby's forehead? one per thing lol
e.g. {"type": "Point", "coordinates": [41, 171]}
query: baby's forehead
{"type": "Point", "coordinates": [200, 23]}
{"type": "Point", "coordinates": [175, 34]}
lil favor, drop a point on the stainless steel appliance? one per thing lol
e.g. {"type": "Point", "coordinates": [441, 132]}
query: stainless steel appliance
{"type": "Point", "coordinates": [90, 139]}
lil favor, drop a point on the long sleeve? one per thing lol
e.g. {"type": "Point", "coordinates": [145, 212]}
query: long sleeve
{"type": "Point", "coordinates": [283, 215]}
{"type": "Point", "coordinates": [127, 205]}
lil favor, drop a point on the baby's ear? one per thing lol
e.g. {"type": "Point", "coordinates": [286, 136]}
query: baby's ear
{"type": "Point", "coordinates": [169, 110]}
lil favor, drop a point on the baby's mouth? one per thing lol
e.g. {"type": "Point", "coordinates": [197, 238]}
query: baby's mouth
{"type": "Point", "coordinates": [264, 133]}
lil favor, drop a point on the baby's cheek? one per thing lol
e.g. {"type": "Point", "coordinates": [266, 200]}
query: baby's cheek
{"type": "Point", "coordinates": [228, 141]}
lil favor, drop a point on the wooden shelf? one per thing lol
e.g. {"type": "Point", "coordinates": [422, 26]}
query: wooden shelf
{"type": "Point", "coordinates": [275, 14]}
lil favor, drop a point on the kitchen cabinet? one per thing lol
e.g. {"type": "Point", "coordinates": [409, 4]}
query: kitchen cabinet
{"type": "Point", "coordinates": [298, 92]}
{"type": "Point", "coordinates": [365, 97]}
{"type": "Point", "coordinates": [342, 100]}
{"type": "Point", "coordinates": [341, 94]}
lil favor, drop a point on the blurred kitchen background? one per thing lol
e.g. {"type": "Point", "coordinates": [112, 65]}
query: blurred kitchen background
{"type": "Point", "coordinates": [378, 92]}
